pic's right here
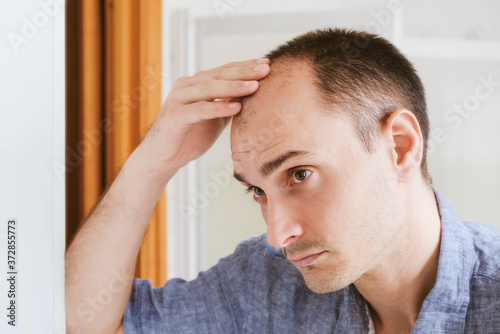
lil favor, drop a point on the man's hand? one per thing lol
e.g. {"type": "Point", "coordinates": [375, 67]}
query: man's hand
{"type": "Point", "coordinates": [105, 249]}
{"type": "Point", "coordinates": [197, 110]}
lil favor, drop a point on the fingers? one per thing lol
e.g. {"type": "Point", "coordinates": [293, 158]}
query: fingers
{"type": "Point", "coordinates": [253, 69]}
{"type": "Point", "coordinates": [204, 110]}
{"type": "Point", "coordinates": [248, 62]}
{"type": "Point", "coordinates": [228, 81]}
{"type": "Point", "coordinates": [199, 106]}
{"type": "Point", "coordinates": [218, 89]}
{"type": "Point", "coordinates": [214, 93]}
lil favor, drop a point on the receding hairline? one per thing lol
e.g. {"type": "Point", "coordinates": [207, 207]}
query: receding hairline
{"type": "Point", "coordinates": [279, 74]}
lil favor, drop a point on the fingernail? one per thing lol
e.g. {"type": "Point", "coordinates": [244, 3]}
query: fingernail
{"type": "Point", "coordinates": [263, 60]}
{"type": "Point", "coordinates": [258, 67]}
{"type": "Point", "coordinates": [247, 83]}
{"type": "Point", "coordinates": [232, 105]}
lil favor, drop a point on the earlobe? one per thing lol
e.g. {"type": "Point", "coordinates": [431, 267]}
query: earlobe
{"type": "Point", "coordinates": [405, 135]}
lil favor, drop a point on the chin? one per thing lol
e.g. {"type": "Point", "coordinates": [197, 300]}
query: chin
{"type": "Point", "coordinates": [321, 284]}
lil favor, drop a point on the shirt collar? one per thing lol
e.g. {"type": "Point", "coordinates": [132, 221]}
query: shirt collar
{"type": "Point", "coordinates": [446, 305]}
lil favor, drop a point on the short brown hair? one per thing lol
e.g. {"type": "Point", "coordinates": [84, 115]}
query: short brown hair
{"type": "Point", "coordinates": [364, 74]}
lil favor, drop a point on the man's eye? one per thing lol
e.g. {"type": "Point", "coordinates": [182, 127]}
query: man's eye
{"type": "Point", "coordinates": [300, 175]}
{"type": "Point", "coordinates": [257, 192]}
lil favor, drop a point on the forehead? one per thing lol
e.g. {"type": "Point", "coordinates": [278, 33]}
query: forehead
{"type": "Point", "coordinates": [287, 115]}
{"type": "Point", "coordinates": [273, 90]}
{"type": "Point", "coordinates": [280, 106]}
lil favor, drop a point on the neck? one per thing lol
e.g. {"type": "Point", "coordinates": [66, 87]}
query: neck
{"type": "Point", "coordinates": [397, 288]}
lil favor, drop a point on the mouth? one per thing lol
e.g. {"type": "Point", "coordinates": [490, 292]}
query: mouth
{"type": "Point", "coordinates": [305, 260]}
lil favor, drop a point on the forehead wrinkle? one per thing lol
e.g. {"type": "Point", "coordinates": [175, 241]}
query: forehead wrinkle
{"type": "Point", "coordinates": [234, 154]}
{"type": "Point", "coordinates": [256, 145]}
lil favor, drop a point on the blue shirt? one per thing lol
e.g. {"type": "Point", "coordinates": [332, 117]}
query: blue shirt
{"type": "Point", "coordinates": [257, 290]}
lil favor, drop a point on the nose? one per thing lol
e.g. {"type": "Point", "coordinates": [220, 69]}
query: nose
{"type": "Point", "coordinates": [283, 221]}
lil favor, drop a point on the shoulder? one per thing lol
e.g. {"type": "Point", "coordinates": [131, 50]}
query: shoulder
{"type": "Point", "coordinates": [257, 247]}
{"type": "Point", "coordinates": [255, 259]}
{"type": "Point", "coordinates": [486, 242]}
{"type": "Point", "coordinates": [483, 311]}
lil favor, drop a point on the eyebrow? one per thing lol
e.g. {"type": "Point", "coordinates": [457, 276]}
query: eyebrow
{"type": "Point", "coordinates": [267, 168]}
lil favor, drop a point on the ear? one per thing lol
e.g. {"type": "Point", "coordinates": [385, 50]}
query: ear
{"type": "Point", "coordinates": [402, 131]}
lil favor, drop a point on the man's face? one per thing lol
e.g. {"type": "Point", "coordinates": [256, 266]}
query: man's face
{"type": "Point", "coordinates": [330, 205]}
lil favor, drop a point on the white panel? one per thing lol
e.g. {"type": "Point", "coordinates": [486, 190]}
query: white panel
{"type": "Point", "coordinates": [59, 186]}
{"type": "Point", "coordinates": [185, 237]}
{"type": "Point", "coordinates": [31, 139]}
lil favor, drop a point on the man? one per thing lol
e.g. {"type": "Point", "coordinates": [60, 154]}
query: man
{"type": "Point", "coordinates": [330, 136]}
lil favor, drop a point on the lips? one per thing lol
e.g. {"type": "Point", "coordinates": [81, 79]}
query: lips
{"type": "Point", "coordinates": [306, 259]}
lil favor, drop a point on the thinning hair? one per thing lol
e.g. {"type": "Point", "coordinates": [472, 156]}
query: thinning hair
{"type": "Point", "coordinates": [362, 74]}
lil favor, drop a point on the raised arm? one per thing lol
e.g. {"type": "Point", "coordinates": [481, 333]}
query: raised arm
{"type": "Point", "coordinates": [100, 261]}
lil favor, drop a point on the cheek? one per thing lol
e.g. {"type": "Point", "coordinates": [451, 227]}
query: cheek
{"type": "Point", "coordinates": [340, 194]}
{"type": "Point", "coordinates": [330, 213]}
{"type": "Point", "coordinates": [349, 208]}
{"type": "Point", "coordinates": [377, 215]}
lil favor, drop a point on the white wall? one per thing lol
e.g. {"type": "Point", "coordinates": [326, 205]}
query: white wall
{"type": "Point", "coordinates": [455, 46]}
{"type": "Point", "coordinates": [31, 141]}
